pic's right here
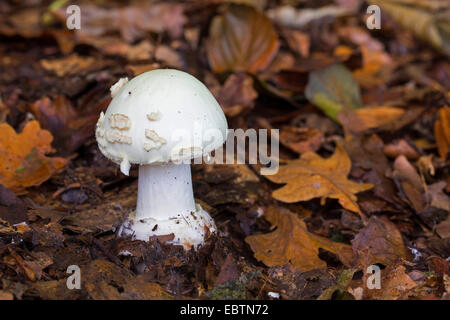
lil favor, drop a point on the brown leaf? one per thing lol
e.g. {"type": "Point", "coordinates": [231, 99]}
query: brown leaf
{"type": "Point", "coordinates": [106, 281]}
{"type": "Point", "coordinates": [292, 243]}
{"type": "Point", "coordinates": [363, 119]}
{"type": "Point", "coordinates": [242, 39]}
{"type": "Point", "coordinates": [312, 176]}
{"type": "Point", "coordinates": [237, 94]}
{"type": "Point", "coordinates": [5, 295]}
{"type": "Point", "coordinates": [442, 132]}
{"type": "Point", "coordinates": [301, 140]}
{"type": "Point", "coordinates": [22, 157]}
{"type": "Point", "coordinates": [395, 284]}
{"type": "Point", "coordinates": [69, 65]}
{"type": "Point", "coordinates": [411, 183]}
{"type": "Point", "coordinates": [12, 208]}
{"type": "Point", "coordinates": [379, 242]}
{"type": "Point", "coordinates": [132, 21]}
{"type": "Point", "coordinates": [69, 128]}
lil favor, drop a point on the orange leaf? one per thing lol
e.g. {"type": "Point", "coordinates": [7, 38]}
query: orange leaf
{"type": "Point", "coordinates": [292, 243]}
{"type": "Point", "coordinates": [442, 132]}
{"type": "Point", "coordinates": [364, 119]}
{"type": "Point", "coordinates": [312, 176]}
{"type": "Point", "coordinates": [242, 39]}
{"type": "Point", "coordinates": [22, 156]}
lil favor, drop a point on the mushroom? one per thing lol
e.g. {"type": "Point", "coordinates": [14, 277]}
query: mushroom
{"type": "Point", "coordinates": [158, 120]}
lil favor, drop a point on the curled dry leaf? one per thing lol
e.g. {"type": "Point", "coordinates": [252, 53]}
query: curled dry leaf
{"type": "Point", "coordinates": [242, 39]}
{"type": "Point", "coordinates": [442, 132]}
{"type": "Point", "coordinates": [379, 242]}
{"type": "Point", "coordinates": [292, 243]}
{"type": "Point", "coordinates": [410, 183]}
{"type": "Point", "coordinates": [312, 176]}
{"type": "Point", "coordinates": [22, 157]}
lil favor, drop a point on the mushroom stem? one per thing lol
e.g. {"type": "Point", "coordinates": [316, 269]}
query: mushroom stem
{"type": "Point", "coordinates": [165, 192]}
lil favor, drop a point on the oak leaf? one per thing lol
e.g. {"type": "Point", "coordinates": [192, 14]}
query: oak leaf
{"type": "Point", "coordinates": [292, 243]}
{"type": "Point", "coordinates": [312, 176]}
{"type": "Point", "coordinates": [22, 157]}
{"type": "Point", "coordinates": [242, 39]}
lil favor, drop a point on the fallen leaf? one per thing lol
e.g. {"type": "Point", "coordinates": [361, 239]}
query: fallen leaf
{"type": "Point", "coordinates": [289, 16]}
{"type": "Point", "coordinates": [333, 89]}
{"type": "Point", "coordinates": [301, 140]}
{"type": "Point", "coordinates": [312, 176]}
{"type": "Point", "coordinates": [131, 21]}
{"type": "Point", "coordinates": [395, 285]}
{"type": "Point", "coordinates": [22, 157]}
{"type": "Point", "coordinates": [70, 65]}
{"type": "Point", "coordinates": [237, 94]}
{"type": "Point", "coordinates": [298, 41]}
{"type": "Point", "coordinates": [69, 128]}
{"type": "Point", "coordinates": [12, 209]}
{"type": "Point", "coordinates": [442, 132]}
{"type": "Point", "coordinates": [379, 242]}
{"type": "Point", "coordinates": [363, 119]}
{"type": "Point", "coordinates": [5, 295]}
{"type": "Point", "coordinates": [292, 243]}
{"type": "Point", "coordinates": [294, 285]}
{"type": "Point", "coordinates": [429, 25]}
{"type": "Point", "coordinates": [242, 39]}
{"type": "Point", "coordinates": [106, 281]}
{"type": "Point", "coordinates": [410, 182]}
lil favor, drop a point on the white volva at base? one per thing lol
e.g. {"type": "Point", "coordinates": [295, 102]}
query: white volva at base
{"type": "Point", "coordinates": [190, 230]}
{"type": "Point", "coordinates": [166, 205]}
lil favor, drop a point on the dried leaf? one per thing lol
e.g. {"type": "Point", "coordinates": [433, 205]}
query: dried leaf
{"type": "Point", "coordinates": [442, 132]}
{"type": "Point", "coordinates": [289, 16]}
{"type": "Point", "coordinates": [410, 182]}
{"type": "Point", "coordinates": [69, 128]}
{"type": "Point", "coordinates": [395, 284]}
{"type": "Point", "coordinates": [292, 243]}
{"type": "Point", "coordinates": [301, 140]}
{"type": "Point", "coordinates": [364, 119]}
{"type": "Point", "coordinates": [379, 242]}
{"type": "Point", "coordinates": [106, 281]}
{"type": "Point", "coordinates": [132, 21]}
{"type": "Point", "coordinates": [242, 39]}
{"type": "Point", "coordinates": [22, 157]}
{"type": "Point", "coordinates": [333, 89]}
{"type": "Point", "coordinates": [69, 65]}
{"type": "Point", "coordinates": [429, 25]}
{"type": "Point", "coordinates": [312, 176]}
{"type": "Point", "coordinates": [237, 94]}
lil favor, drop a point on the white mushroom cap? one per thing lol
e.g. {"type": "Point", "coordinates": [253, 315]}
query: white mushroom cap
{"type": "Point", "coordinates": [158, 117]}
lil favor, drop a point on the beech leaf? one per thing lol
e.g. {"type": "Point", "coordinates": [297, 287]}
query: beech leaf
{"type": "Point", "coordinates": [242, 39]}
